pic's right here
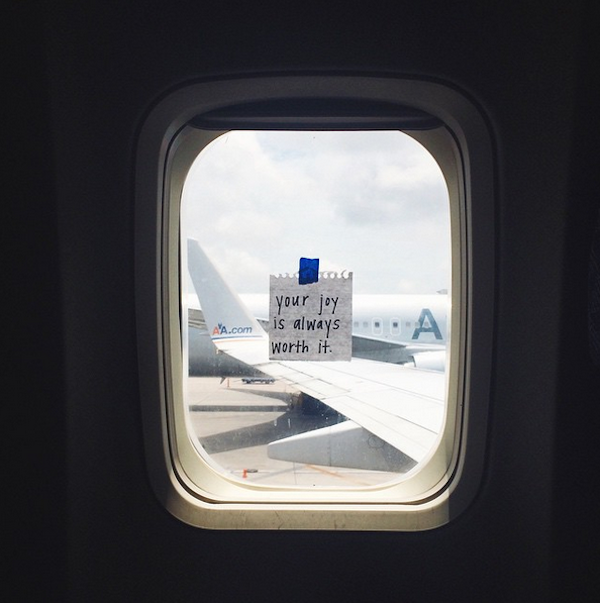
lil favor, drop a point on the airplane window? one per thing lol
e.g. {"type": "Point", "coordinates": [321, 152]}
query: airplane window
{"type": "Point", "coordinates": [242, 180]}
{"type": "Point", "coordinates": [254, 203]}
{"type": "Point", "coordinates": [377, 328]}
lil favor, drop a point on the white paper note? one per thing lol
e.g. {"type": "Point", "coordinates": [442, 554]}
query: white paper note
{"type": "Point", "coordinates": [313, 321]}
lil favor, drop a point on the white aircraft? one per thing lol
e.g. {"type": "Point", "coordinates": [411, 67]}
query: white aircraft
{"type": "Point", "coordinates": [398, 329]}
{"type": "Point", "coordinates": [389, 328]}
{"type": "Point", "coordinates": [391, 409]}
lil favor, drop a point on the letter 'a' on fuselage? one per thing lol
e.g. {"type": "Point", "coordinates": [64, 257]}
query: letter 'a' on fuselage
{"type": "Point", "coordinates": [446, 479]}
{"type": "Point", "coordinates": [427, 324]}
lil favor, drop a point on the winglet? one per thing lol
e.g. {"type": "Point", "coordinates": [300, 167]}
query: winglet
{"type": "Point", "coordinates": [226, 316]}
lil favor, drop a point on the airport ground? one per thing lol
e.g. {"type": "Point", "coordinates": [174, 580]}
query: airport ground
{"type": "Point", "coordinates": [234, 421]}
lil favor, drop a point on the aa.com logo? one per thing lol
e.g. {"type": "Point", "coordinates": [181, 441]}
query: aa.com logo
{"type": "Point", "coordinates": [221, 329]}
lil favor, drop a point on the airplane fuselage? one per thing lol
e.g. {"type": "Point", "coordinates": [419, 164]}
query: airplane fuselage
{"type": "Point", "coordinates": [414, 321]}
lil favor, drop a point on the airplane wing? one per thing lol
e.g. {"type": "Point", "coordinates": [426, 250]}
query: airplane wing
{"type": "Point", "coordinates": [403, 406]}
{"type": "Point", "coordinates": [429, 356]}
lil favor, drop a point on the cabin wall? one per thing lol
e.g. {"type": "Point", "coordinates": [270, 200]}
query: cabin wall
{"type": "Point", "coordinates": [95, 531]}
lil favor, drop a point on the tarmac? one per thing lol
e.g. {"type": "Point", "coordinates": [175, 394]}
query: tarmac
{"type": "Point", "coordinates": [233, 422]}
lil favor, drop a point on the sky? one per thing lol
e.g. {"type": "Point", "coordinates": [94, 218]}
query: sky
{"type": "Point", "coordinates": [371, 203]}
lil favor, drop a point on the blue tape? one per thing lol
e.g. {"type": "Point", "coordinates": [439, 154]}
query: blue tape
{"type": "Point", "coordinates": [309, 271]}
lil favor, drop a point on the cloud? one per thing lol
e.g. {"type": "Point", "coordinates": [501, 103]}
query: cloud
{"type": "Point", "coordinates": [371, 202]}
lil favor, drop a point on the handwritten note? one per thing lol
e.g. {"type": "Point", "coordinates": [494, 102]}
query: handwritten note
{"type": "Point", "coordinates": [313, 321]}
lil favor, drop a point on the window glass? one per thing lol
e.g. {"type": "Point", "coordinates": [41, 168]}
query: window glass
{"type": "Point", "coordinates": [371, 203]}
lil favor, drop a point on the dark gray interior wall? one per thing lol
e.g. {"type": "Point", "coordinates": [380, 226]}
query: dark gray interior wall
{"type": "Point", "coordinates": [96, 529]}
{"type": "Point", "coordinates": [34, 402]}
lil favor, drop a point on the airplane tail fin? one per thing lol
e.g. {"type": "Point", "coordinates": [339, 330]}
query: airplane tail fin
{"type": "Point", "coordinates": [224, 312]}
